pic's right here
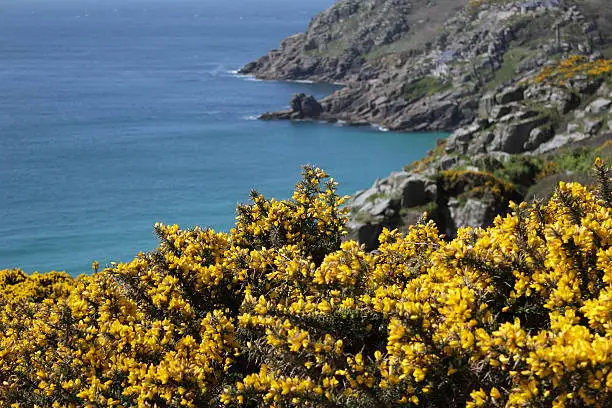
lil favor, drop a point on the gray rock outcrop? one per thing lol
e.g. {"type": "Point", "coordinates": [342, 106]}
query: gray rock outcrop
{"type": "Point", "coordinates": [306, 106]}
{"type": "Point", "coordinates": [538, 136]}
{"type": "Point", "coordinates": [599, 106]}
{"type": "Point", "coordinates": [429, 65]}
{"type": "Point", "coordinates": [512, 94]}
{"type": "Point", "coordinates": [512, 137]}
{"type": "Point", "coordinates": [472, 213]}
{"type": "Point", "coordinates": [303, 107]}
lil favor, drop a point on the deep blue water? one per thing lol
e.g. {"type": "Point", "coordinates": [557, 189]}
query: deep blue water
{"type": "Point", "coordinates": [116, 114]}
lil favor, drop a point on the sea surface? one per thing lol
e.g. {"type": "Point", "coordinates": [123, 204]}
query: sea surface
{"type": "Point", "coordinates": [116, 114]}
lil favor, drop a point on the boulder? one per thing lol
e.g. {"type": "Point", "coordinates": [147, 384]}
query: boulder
{"type": "Point", "coordinates": [413, 191]}
{"type": "Point", "coordinates": [511, 94]}
{"type": "Point", "coordinates": [431, 192]}
{"type": "Point", "coordinates": [380, 203]}
{"type": "Point", "coordinates": [599, 106]}
{"type": "Point", "coordinates": [305, 107]}
{"type": "Point", "coordinates": [538, 136]}
{"type": "Point", "coordinates": [485, 105]}
{"type": "Point", "coordinates": [473, 213]}
{"type": "Point", "coordinates": [397, 178]}
{"type": "Point", "coordinates": [604, 90]}
{"type": "Point", "coordinates": [559, 141]}
{"type": "Point", "coordinates": [572, 127]}
{"type": "Point", "coordinates": [511, 137]}
{"type": "Point", "coordinates": [585, 85]}
{"type": "Point", "coordinates": [458, 141]}
{"type": "Point", "coordinates": [560, 98]}
{"type": "Point", "coordinates": [537, 92]}
{"type": "Point", "coordinates": [481, 143]}
{"type": "Point", "coordinates": [446, 162]}
{"type": "Point", "coordinates": [593, 126]}
{"type": "Point", "coordinates": [563, 100]}
{"type": "Point", "coordinates": [382, 207]}
{"type": "Point", "coordinates": [500, 111]}
{"type": "Point", "coordinates": [518, 116]}
{"type": "Point", "coordinates": [363, 197]}
{"type": "Point", "coordinates": [365, 233]}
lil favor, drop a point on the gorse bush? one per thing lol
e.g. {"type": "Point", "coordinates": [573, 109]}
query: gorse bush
{"type": "Point", "coordinates": [576, 65]}
{"type": "Point", "coordinates": [280, 312]}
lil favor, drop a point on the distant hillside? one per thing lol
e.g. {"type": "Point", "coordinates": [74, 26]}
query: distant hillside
{"type": "Point", "coordinates": [424, 64]}
{"type": "Point", "coordinates": [353, 37]}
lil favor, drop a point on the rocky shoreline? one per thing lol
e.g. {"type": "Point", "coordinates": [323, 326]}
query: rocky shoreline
{"type": "Point", "coordinates": [521, 84]}
{"type": "Point", "coordinates": [423, 65]}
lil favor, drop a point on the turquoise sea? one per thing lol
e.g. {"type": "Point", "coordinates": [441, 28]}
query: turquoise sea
{"type": "Point", "coordinates": [116, 114]}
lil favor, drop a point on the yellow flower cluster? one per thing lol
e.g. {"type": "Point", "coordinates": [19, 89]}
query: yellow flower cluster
{"type": "Point", "coordinates": [572, 67]}
{"type": "Point", "coordinates": [281, 313]}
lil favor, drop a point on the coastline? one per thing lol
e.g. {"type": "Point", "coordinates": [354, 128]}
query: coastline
{"type": "Point", "coordinates": [482, 75]}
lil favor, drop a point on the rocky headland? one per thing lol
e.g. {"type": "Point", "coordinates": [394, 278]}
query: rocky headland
{"type": "Point", "coordinates": [525, 87]}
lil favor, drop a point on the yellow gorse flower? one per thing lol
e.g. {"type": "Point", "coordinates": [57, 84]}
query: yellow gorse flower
{"type": "Point", "coordinates": [281, 313]}
{"type": "Point", "coordinates": [574, 66]}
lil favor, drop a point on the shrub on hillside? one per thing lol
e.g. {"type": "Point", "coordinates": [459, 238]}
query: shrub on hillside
{"type": "Point", "coordinates": [574, 66]}
{"type": "Point", "coordinates": [279, 312]}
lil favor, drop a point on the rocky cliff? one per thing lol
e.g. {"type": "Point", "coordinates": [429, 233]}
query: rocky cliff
{"type": "Point", "coordinates": [547, 128]}
{"type": "Point", "coordinates": [414, 65]}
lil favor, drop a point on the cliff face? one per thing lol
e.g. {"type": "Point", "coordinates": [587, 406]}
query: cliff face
{"type": "Point", "coordinates": [546, 129]}
{"type": "Point", "coordinates": [345, 42]}
{"type": "Point", "coordinates": [424, 64]}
